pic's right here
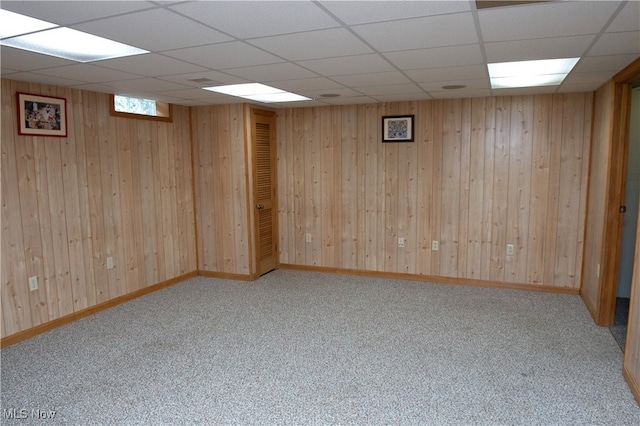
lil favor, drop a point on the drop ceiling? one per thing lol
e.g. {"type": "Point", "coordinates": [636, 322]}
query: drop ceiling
{"type": "Point", "coordinates": [363, 51]}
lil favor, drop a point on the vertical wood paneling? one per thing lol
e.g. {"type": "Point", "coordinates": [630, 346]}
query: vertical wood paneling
{"type": "Point", "coordinates": [451, 165]}
{"type": "Point", "coordinates": [220, 189]}
{"type": "Point", "coordinates": [600, 158]}
{"type": "Point", "coordinates": [481, 174]}
{"type": "Point", "coordinates": [519, 187]}
{"type": "Point", "coordinates": [476, 177]}
{"type": "Point", "coordinates": [68, 203]}
{"type": "Point", "coordinates": [424, 196]}
{"type": "Point", "coordinates": [632, 350]}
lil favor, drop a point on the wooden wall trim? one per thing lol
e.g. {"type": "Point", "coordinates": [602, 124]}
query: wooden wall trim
{"type": "Point", "coordinates": [633, 384]}
{"type": "Point", "coordinates": [59, 322]}
{"type": "Point", "coordinates": [629, 74]}
{"type": "Point", "coordinates": [434, 279]}
{"type": "Point", "coordinates": [193, 191]}
{"type": "Point", "coordinates": [228, 276]}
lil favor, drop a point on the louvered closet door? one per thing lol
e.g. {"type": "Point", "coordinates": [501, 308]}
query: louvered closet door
{"type": "Point", "coordinates": [262, 124]}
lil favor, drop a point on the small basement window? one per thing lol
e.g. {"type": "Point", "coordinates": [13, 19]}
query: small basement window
{"type": "Point", "coordinates": [149, 109]}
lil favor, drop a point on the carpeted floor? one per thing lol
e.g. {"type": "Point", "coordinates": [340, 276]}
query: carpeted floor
{"type": "Point", "coordinates": [621, 322]}
{"type": "Point", "coordinates": [301, 348]}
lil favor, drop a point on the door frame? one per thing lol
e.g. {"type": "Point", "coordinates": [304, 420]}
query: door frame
{"type": "Point", "coordinates": [604, 311]}
{"type": "Point", "coordinates": [250, 112]}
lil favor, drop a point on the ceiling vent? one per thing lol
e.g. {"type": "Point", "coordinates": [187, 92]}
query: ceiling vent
{"type": "Point", "coordinates": [202, 80]}
{"type": "Point", "coordinates": [481, 4]}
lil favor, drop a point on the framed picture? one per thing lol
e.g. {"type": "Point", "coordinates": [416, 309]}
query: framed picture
{"type": "Point", "coordinates": [397, 128]}
{"type": "Point", "coordinates": [42, 115]}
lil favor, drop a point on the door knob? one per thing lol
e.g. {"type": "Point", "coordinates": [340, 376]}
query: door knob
{"type": "Point", "coordinates": [260, 207]}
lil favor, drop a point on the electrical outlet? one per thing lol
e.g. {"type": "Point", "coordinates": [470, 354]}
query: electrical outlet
{"type": "Point", "coordinates": [33, 283]}
{"type": "Point", "coordinates": [400, 242]}
{"type": "Point", "coordinates": [435, 245]}
{"type": "Point", "coordinates": [309, 238]}
{"type": "Point", "coordinates": [109, 262]}
{"type": "Point", "coordinates": [510, 249]}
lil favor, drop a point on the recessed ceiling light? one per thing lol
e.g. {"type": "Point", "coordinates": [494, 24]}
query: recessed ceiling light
{"type": "Point", "coordinates": [73, 45]}
{"type": "Point", "coordinates": [545, 72]}
{"type": "Point", "coordinates": [258, 92]}
{"type": "Point", "coordinates": [14, 24]}
{"type": "Point", "coordinates": [34, 35]}
{"type": "Point", "coordinates": [454, 87]}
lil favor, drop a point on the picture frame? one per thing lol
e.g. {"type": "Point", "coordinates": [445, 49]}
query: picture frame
{"type": "Point", "coordinates": [41, 115]}
{"type": "Point", "coordinates": [398, 128]}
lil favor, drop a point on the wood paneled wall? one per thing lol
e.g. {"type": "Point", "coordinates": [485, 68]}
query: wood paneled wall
{"type": "Point", "coordinates": [221, 193]}
{"type": "Point", "coordinates": [632, 349]}
{"type": "Point", "coordinates": [482, 173]}
{"type": "Point", "coordinates": [601, 159]}
{"type": "Point", "coordinates": [115, 187]}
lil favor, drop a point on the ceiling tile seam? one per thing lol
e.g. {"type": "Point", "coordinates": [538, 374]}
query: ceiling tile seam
{"type": "Point", "coordinates": [373, 49]}
{"type": "Point", "coordinates": [246, 39]}
{"type": "Point", "coordinates": [483, 52]}
{"type": "Point", "coordinates": [595, 40]}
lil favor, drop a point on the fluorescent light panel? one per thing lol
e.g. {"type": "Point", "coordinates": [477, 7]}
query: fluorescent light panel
{"type": "Point", "coordinates": [14, 24]}
{"type": "Point", "coordinates": [64, 42]}
{"type": "Point", "coordinates": [258, 92]}
{"type": "Point", "coordinates": [545, 72]}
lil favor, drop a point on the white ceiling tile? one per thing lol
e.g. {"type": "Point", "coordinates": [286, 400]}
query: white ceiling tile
{"type": "Point", "coordinates": [458, 94]}
{"type": "Point", "coordinates": [194, 94]}
{"type": "Point", "coordinates": [46, 79]}
{"type": "Point", "coordinates": [150, 64]}
{"type": "Point", "coordinates": [309, 84]}
{"type": "Point", "coordinates": [541, 48]}
{"type": "Point", "coordinates": [628, 19]}
{"type": "Point", "coordinates": [579, 87]}
{"type": "Point", "coordinates": [147, 84]}
{"type": "Point", "coordinates": [359, 12]}
{"type": "Point", "coordinates": [588, 77]}
{"type": "Point", "coordinates": [551, 19]}
{"type": "Point", "coordinates": [470, 85]}
{"type": "Point", "coordinates": [88, 73]}
{"type": "Point", "coordinates": [313, 45]}
{"type": "Point", "coordinates": [154, 30]}
{"type": "Point", "coordinates": [224, 55]}
{"type": "Point", "coordinates": [525, 91]}
{"type": "Point", "coordinates": [469, 72]}
{"type": "Point", "coordinates": [305, 104]}
{"type": "Point", "coordinates": [94, 87]}
{"type": "Point", "coordinates": [405, 97]}
{"type": "Point", "coordinates": [6, 72]}
{"type": "Point", "coordinates": [273, 72]}
{"type": "Point", "coordinates": [356, 100]}
{"type": "Point", "coordinates": [604, 63]}
{"type": "Point", "coordinates": [373, 79]}
{"type": "Point", "coordinates": [215, 77]}
{"type": "Point", "coordinates": [343, 92]}
{"type": "Point", "coordinates": [439, 57]}
{"type": "Point", "coordinates": [23, 60]}
{"type": "Point", "coordinates": [617, 44]}
{"type": "Point", "coordinates": [250, 19]}
{"type": "Point", "coordinates": [390, 89]}
{"type": "Point", "coordinates": [70, 12]}
{"type": "Point", "coordinates": [419, 33]}
{"type": "Point", "coordinates": [348, 65]}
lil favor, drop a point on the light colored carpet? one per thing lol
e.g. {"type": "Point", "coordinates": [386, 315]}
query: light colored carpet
{"type": "Point", "coordinates": [310, 348]}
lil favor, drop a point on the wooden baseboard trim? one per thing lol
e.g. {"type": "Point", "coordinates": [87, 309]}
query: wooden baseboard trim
{"type": "Point", "coordinates": [228, 276]}
{"type": "Point", "coordinates": [435, 279]}
{"type": "Point", "coordinates": [58, 322]}
{"type": "Point", "coordinates": [633, 384]}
